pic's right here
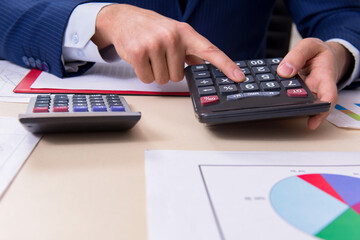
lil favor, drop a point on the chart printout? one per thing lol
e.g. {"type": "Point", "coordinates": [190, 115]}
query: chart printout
{"type": "Point", "coordinates": [16, 144]}
{"type": "Point", "coordinates": [253, 195]}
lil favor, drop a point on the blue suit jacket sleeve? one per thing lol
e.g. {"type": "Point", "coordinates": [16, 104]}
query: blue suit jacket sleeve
{"type": "Point", "coordinates": [327, 19]}
{"type": "Point", "coordinates": [34, 29]}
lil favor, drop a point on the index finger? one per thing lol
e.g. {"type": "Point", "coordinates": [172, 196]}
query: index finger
{"type": "Point", "coordinates": [199, 46]}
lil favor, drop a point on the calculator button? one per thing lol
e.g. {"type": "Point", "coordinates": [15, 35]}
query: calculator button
{"type": "Point", "coordinates": [60, 109]}
{"type": "Point", "coordinates": [224, 81]}
{"type": "Point", "coordinates": [95, 96]}
{"type": "Point", "coordinates": [40, 109]}
{"type": "Point", "coordinates": [241, 64]}
{"type": "Point", "coordinates": [197, 68]}
{"type": "Point", "coordinates": [115, 103]}
{"type": "Point", "coordinates": [284, 79]}
{"type": "Point", "coordinates": [77, 99]}
{"type": "Point", "coordinates": [272, 61]}
{"type": "Point", "coordinates": [98, 104]}
{"type": "Point", "coordinates": [202, 74]}
{"type": "Point", "coordinates": [113, 100]}
{"type": "Point", "coordinates": [265, 77]}
{"type": "Point", "coordinates": [256, 62]}
{"type": "Point", "coordinates": [101, 108]}
{"type": "Point", "coordinates": [262, 69]}
{"type": "Point", "coordinates": [299, 92]}
{"type": "Point", "coordinates": [274, 67]}
{"type": "Point", "coordinates": [249, 79]}
{"type": "Point", "coordinates": [58, 96]}
{"type": "Point", "coordinates": [42, 105]}
{"type": "Point", "coordinates": [97, 101]}
{"type": "Point", "coordinates": [209, 100]}
{"type": "Point", "coordinates": [245, 71]}
{"type": "Point", "coordinates": [291, 84]}
{"type": "Point", "coordinates": [61, 99]}
{"type": "Point", "coordinates": [80, 108]}
{"type": "Point", "coordinates": [42, 102]}
{"type": "Point", "coordinates": [60, 102]}
{"type": "Point", "coordinates": [227, 89]}
{"type": "Point", "coordinates": [112, 96]}
{"type": "Point", "coordinates": [270, 86]}
{"type": "Point", "coordinates": [80, 104]}
{"type": "Point", "coordinates": [203, 91]}
{"type": "Point", "coordinates": [251, 94]}
{"type": "Point", "coordinates": [204, 82]}
{"type": "Point", "coordinates": [43, 96]}
{"type": "Point", "coordinates": [75, 102]}
{"type": "Point", "coordinates": [218, 73]}
{"type": "Point", "coordinates": [249, 87]}
{"type": "Point", "coordinates": [117, 108]}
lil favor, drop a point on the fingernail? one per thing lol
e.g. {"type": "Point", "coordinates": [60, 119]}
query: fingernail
{"type": "Point", "coordinates": [286, 69]}
{"type": "Point", "coordinates": [239, 75]}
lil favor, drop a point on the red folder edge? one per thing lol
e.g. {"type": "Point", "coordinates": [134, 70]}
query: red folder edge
{"type": "Point", "coordinates": [25, 87]}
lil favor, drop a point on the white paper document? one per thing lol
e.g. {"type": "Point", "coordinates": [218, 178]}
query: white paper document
{"type": "Point", "coordinates": [119, 76]}
{"type": "Point", "coordinates": [16, 144]}
{"type": "Point", "coordinates": [347, 110]}
{"type": "Point", "coordinates": [208, 195]}
{"type": "Point", "coordinates": [10, 76]}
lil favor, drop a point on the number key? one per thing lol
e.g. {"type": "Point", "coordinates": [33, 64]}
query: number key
{"type": "Point", "coordinates": [249, 87]}
{"type": "Point", "coordinates": [291, 84]}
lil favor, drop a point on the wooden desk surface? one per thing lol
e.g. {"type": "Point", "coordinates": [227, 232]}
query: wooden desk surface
{"type": "Point", "coordinates": [92, 185]}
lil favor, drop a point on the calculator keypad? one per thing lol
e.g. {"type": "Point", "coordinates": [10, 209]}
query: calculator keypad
{"type": "Point", "coordinates": [78, 113]}
{"type": "Point", "coordinates": [78, 103]}
{"type": "Point", "coordinates": [263, 95]}
{"type": "Point", "coordinates": [214, 87]}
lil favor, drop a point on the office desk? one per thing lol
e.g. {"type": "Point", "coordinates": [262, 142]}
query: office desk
{"type": "Point", "coordinates": [92, 185]}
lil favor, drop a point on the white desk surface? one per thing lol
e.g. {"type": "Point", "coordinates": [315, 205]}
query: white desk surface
{"type": "Point", "coordinates": [92, 185]}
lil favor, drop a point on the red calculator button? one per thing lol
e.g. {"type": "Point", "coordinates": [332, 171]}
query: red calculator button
{"type": "Point", "coordinates": [40, 109]}
{"type": "Point", "coordinates": [61, 109]}
{"type": "Point", "coordinates": [299, 92]}
{"type": "Point", "coordinates": [209, 99]}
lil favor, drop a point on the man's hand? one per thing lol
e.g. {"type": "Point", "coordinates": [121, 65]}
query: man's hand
{"type": "Point", "coordinates": [156, 46]}
{"type": "Point", "coordinates": [321, 65]}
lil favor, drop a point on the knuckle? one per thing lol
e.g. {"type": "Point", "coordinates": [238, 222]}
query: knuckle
{"type": "Point", "coordinates": [146, 79]}
{"type": "Point", "coordinates": [183, 26]}
{"type": "Point", "coordinates": [136, 53]}
{"type": "Point", "coordinates": [314, 43]}
{"type": "Point", "coordinates": [171, 38]}
{"type": "Point", "coordinates": [166, 36]}
{"type": "Point", "coordinates": [210, 49]}
{"type": "Point", "coordinates": [162, 81]}
{"type": "Point", "coordinates": [162, 77]}
{"type": "Point", "coordinates": [177, 77]}
{"type": "Point", "coordinates": [153, 44]}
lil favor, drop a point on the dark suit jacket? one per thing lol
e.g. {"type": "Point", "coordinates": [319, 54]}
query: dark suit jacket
{"type": "Point", "coordinates": [34, 29]}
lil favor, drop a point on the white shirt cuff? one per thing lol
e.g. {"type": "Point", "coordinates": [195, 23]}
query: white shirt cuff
{"type": "Point", "coordinates": [77, 46]}
{"type": "Point", "coordinates": [355, 52]}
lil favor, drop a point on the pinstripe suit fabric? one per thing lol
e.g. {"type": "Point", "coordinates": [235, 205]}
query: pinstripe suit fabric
{"type": "Point", "coordinates": [238, 27]}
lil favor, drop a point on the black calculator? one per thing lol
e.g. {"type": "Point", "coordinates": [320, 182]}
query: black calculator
{"type": "Point", "coordinates": [78, 112]}
{"type": "Point", "coordinates": [263, 95]}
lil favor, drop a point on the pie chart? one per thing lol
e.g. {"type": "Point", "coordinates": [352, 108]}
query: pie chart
{"type": "Point", "coordinates": [326, 206]}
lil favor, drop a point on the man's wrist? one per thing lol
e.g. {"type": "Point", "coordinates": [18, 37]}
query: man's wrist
{"type": "Point", "coordinates": [352, 70]}
{"type": "Point", "coordinates": [344, 59]}
{"type": "Point", "coordinates": [77, 45]}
